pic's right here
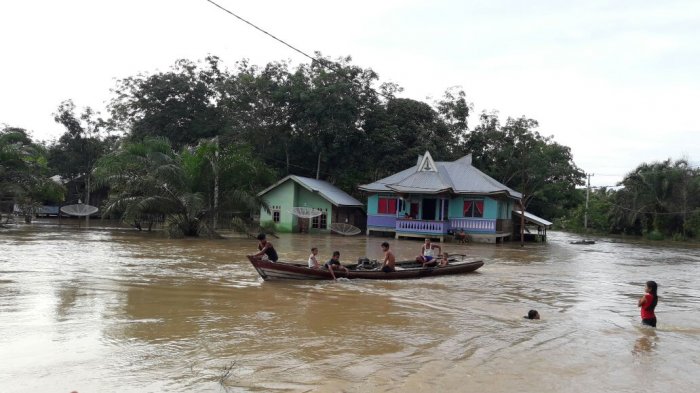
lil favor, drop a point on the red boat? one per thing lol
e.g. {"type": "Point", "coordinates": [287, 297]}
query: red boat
{"type": "Point", "coordinates": [269, 270]}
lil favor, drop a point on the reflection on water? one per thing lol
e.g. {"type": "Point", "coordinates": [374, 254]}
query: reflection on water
{"type": "Point", "coordinates": [107, 309]}
{"type": "Point", "coordinates": [646, 342]}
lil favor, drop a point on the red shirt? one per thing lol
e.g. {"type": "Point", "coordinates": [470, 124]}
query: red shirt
{"type": "Point", "coordinates": [646, 312]}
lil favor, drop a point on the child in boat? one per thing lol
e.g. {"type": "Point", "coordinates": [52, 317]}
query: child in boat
{"type": "Point", "coordinates": [313, 262]}
{"type": "Point", "coordinates": [647, 304]}
{"type": "Point", "coordinates": [334, 264]}
{"type": "Point", "coordinates": [444, 259]}
{"type": "Point", "coordinates": [266, 250]}
{"type": "Point", "coordinates": [389, 259]}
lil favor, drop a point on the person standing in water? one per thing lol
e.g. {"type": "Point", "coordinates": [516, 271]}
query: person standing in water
{"type": "Point", "coordinates": [647, 304]}
{"type": "Point", "coordinates": [266, 250]}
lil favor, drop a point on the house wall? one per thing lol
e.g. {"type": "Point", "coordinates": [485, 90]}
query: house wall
{"type": "Point", "coordinates": [314, 200]}
{"type": "Point", "coordinates": [284, 197]}
{"type": "Point", "coordinates": [493, 208]}
{"type": "Point", "coordinates": [490, 208]}
{"type": "Point", "coordinates": [372, 204]}
{"type": "Point", "coordinates": [350, 215]}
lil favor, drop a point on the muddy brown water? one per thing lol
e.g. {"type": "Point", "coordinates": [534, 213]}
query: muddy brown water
{"type": "Point", "coordinates": [104, 309]}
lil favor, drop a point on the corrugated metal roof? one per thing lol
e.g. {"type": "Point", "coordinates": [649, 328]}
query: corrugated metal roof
{"type": "Point", "coordinates": [533, 218]}
{"type": "Point", "coordinates": [331, 193]}
{"type": "Point", "coordinates": [459, 177]}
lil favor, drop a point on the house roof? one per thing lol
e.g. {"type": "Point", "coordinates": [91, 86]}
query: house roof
{"type": "Point", "coordinates": [430, 177]}
{"type": "Point", "coordinates": [331, 193]}
{"type": "Point", "coordinates": [533, 218]}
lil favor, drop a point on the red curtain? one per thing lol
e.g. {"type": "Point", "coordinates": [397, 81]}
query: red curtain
{"type": "Point", "coordinates": [382, 209]}
{"type": "Point", "coordinates": [392, 206]}
{"type": "Point", "coordinates": [467, 208]}
{"type": "Point", "coordinates": [479, 209]}
{"type": "Point", "coordinates": [386, 206]}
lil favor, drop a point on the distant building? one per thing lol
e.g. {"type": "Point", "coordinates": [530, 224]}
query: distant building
{"type": "Point", "coordinates": [296, 191]}
{"type": "Point", "coordinates": [435, 199]}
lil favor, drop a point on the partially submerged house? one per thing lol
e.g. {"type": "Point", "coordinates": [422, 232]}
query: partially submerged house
{"type": "Point", "coordinates": [293, 191]}
{"type": "Point", "coordinates": [434, 199]}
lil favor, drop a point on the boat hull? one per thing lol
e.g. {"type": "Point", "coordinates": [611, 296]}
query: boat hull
{"type": "Point", "coordinates": [269, 270]}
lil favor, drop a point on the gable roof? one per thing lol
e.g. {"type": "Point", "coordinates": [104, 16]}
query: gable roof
{"type": "Point", "coordinates": [458, 177]}
{"type": "Point", "coordinates": [329, 192]}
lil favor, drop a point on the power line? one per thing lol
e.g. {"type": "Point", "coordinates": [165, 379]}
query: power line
{"type": "Point", "coordinates": [335, 68]}
{"type": "Point", "coordinates": [261, 30]}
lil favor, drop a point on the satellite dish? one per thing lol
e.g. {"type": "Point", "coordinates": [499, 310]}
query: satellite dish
{"type": "Point", "coordinates": [344, 229]}
{"type": "Point", "coordinates": [306, 212]}
{"type": "Point", "coordinates": [79, 209]}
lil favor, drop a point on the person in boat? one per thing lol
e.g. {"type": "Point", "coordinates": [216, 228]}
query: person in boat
{"type": "Point", "coordinates": [334, 264]}
{"type": "Point", "coordinates": [266, 249]}
{"type": "Point", "coordinates": [647, 304]}
{"type": "Point", "coordinates": [427, 254]}
{"type": "Point", "coordinates": [532, 314]}
{"type": "Point", "coordinates": [389, 264]}
{"type": "Point", "coordinates": [313, 262]}
{"type": "Point", "coordinates": [444, 259]}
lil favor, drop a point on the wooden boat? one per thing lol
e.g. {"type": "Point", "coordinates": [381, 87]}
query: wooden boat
{"type": "Point", "coordinates": [269, 270]}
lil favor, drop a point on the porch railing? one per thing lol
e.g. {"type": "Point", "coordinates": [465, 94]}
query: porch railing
{"type": "Point", "coordinates": [470, 225]}
{"type": "Point", "coordinates": [474, 224]}
{"type": "Point", "coordinates": [422, 226]}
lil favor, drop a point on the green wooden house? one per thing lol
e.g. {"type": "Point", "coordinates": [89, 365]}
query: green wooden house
{"type": "Point", "coordinates": [434, 199]}
{"type": "Point", "coordinates": [293, 191]}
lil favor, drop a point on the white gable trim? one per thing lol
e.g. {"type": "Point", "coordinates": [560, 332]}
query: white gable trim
{"type": "Point", "coordinates": [427, 164]}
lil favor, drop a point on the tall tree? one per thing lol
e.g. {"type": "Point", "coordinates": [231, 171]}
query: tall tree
{"type": "Point", "coordinates": [180, 104]}
{"type": "Point", "coordinates": [330, 102]}
{"type": "Point", "coordinates": [518, 156]}
{"type": "Point", "coordinates": [76, 152]}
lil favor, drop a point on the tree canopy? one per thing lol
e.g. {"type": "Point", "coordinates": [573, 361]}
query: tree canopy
{"type": "Point", "coordinates": [237, 130]}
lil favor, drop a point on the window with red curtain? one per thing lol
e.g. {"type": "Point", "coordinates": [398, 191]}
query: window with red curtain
{"type": "Point", "coordinates": [468, 208]}
{"type": "Point", "coordinates": [387, 206]}
{"type": "Point", "coordinates": [473, 208]}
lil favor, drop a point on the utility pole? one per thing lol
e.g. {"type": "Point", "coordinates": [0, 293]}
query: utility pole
{"type": "Point", "coordinates": [585, 214]}
{"type": "Point", "coordinates": [522, 223]}
{"type": "Point", "coordinates": [215, 166]}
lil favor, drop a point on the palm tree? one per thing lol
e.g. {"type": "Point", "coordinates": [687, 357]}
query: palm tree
{"type": "Point", "coordinates": [148, 178]}
{"type": "Point", "coordinates": [24, 172]}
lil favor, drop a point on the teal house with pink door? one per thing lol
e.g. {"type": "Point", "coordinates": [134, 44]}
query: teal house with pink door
{"type": "Point", "coordinates": [437, 198]}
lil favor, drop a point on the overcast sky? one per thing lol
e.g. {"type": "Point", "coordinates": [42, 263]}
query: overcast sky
{"type": "Point", "coordinates": [617, 81]}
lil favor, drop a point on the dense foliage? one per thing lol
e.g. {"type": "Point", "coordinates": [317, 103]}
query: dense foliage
{"type": "Point", "coordinates": [24, 173]}
{"type": "Point", "coordinates": [660, 199]}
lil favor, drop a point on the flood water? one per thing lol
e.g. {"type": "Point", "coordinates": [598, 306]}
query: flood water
{"type": "Point", "coordinates": [115, 310]}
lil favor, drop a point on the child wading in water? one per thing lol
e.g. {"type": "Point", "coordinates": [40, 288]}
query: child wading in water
{"type": "Point", "coordinates": [648, 303]}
